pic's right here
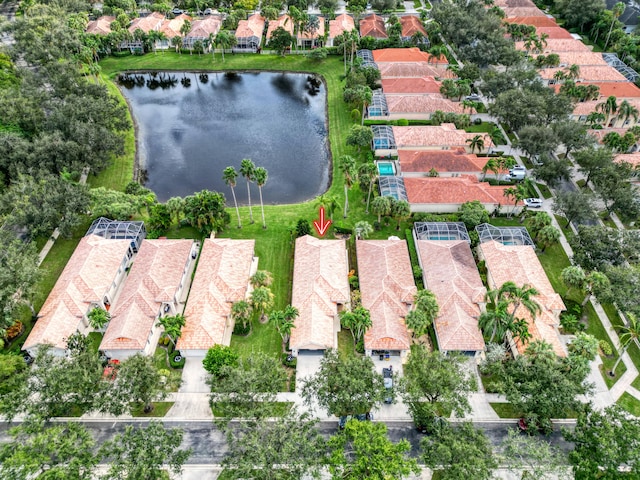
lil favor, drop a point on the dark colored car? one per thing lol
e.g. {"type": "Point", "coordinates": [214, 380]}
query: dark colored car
{"type": "Point", "coordinates": [387, 374]}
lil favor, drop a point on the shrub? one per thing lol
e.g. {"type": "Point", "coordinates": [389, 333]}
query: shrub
{"type": "Point", "coordinates": [360, 346]}
{"type": "Point", "coordinates": [605, 347]}
{"type": "Point", "coordinates": [14, 330]}
{"type": "Point", "coordinates": [242, 330]}
{"type": "Point", "coordinates": [354, 283]}
{"type": "Point", "coordinates": [176, 360]}
{"type": "Point", "coordinates": [289, 360]}
{"type": "Point", "coordinates": [496, 354]}
{"type": "Point", "coordinates": [569, 322]}
{"type": "Point", "coordinates": [477, 121]}
{"type": "Point", "coordinates": [217, 357]}
{"type": "Point", "coordinates": [402, 122]}
{"type": "Point", "coordinates": [342, 230]}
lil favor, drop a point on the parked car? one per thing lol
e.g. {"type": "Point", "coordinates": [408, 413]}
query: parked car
{"type": "Point", "coordinates": [362, 417]}
{"type": "Point", "coordinates": [517, 168]}
{"type": "Point", "coordinates": [387, 374]}
{"type": "Point", "coordinates": [474, 97]}
{"type": "Point", "coordinates": [177, 11]}
{"type": "Point", "coordinates": [208, 11]}
{"type": "Point", "coordinates": [533, 202]}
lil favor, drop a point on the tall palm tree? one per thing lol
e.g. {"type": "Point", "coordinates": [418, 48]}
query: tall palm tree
{"type": "Point", "coordinates": [517, 194]}
{"type": "Point", "coordinates": [225, 40]}
{"type": "Point", "coordinates": [401, 210]}
{"type": "Point", "coordinates": [247, 170]}
{"type": "Point", "coordinates": [329, 202]}
{"type": "Point", "coordinates": [617, 10]}
{"type": "Point", "coordinates": [260, 175]}
{"type": "Point", "coordinates": [369, 171]}
{"type": "Point", "coordinates": [242, 311]}
{"type": "Point", "coordinates": [348, 168]}
{"type": "Point", "coordinates": [262, 278]}
{"type": "Point", "coordinates": [496, 321]}
{"type": "Point", "coordinates": [609, 107]}
{"type": "Point", "coordinates": [573, 72]}
{"type": "Point", "coordinates": [262, 300]}
{"type": "Point", "coordinates": [476, 142]}
{"type": "Point", "coordinates": [627, 111]}
{"type": "Point", "coordinates": [517, 297]}
{"type": "Point", "coordinates": [362, 229]}
{"type": "Point", "coordinates": [547, 236]}
{"type": "Point", "coordinates": [492, 166]}
{"type": "Point", "coordinates": [229, 175]}
{"type": "Point", "coordinates": [185, 28]}
{"type": "Point", "coordinates": [381, 206]}
{"type": "Point", "coordinates": [172, 326]}
{"type": "Point", "coordinates": [628, 333]}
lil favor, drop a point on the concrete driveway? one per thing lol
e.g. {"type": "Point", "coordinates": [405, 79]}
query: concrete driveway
{"type": "Point", "coordinates": [192, 401]}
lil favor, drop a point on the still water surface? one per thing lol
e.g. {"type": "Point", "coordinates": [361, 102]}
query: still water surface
{"type": "Point", "coordinates": [191, 126]}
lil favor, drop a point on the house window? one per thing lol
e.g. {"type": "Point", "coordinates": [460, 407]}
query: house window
{"type": "Point", "coordinates": [582, 118]}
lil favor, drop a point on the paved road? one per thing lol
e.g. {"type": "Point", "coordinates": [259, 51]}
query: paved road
{"type": "Point", "coordinates": [209, 446]}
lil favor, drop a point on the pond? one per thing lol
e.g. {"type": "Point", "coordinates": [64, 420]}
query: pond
{"type": "Point", "coordinates": [191, 126]}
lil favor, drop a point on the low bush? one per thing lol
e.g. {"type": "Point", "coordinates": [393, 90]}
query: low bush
{"type": "Point", "coordinates": [176, 360]}
{"type": "Point", "coordinates": [605, 347]}
{"type": "Point", "coordinates": [342, 230]}
{"type": "Point", "coordinates": [289, 360]}
{"type": "Point", "coordinates": [241, 330]}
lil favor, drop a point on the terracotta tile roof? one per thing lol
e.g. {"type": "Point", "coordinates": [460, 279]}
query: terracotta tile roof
{"type": "Point", "coordinates": [454, 190]}
{"type": "Point", "coordinates": [222, 278]}
{"type": "Point", "coordinates": [585, 108]}
{"type": "Point", "coordinates": [202, 28]}
{"type": "Point", "coordinates": [593, 73]}
{"type": "Point", "coordinates": [426, 104]}
{"type": "Point", "coordinates": [320, 283]}
{"type": "Point", "coordinates": [599, 134]}
{"type": "Point", "coordinates": [101, 25]}
{"type": "Point", "coordinates": [440, 160]}
{"type": "Point", "coordinates": [554, 32]}
{"type": "Point", "coordinates": [153, 21]}
{"type": "Point", "coordinates": [621, 90]}
{"type": "Point", "coordinates": [514, 3]}
{"type": "Point", "coordinates": [410, 85]}
{"type": "Point", "coordinates": [520, 264]}
{"type": "Point", "coordinates": [342, 23]}
{"type": "Point", "coordinates": [284, 21]}
{"type": "Point", "coordinates": [317, 34]}
{"type": "Point", "coordinates": [86, 278]}
{"type": "Point", "coordinates": [373, 26]}
{"type": "Point", "coordinates": [560, 45]}
{"type": "Point", "coordinates": [522, 12]}
{"type": "Point", "coordinates": [413, 69]}
{"type": "Point", "coordinates": [171, 28]}
{"type": "Point", "coordinates": [154, 278]}
{"type": "Point", "coordinates": [450, 272]}
{"type": "Point", "coordinates": [579, 58]}
{"type": "Point", "coordinates": [410, 25]}
{"type": "Point", "coordinates": [252, 27]}
{"type": "Point", "coordinates": [388, 288]}
{"type": "Point", "coordinates": [433, 136]}
{"type": "Point", "coordinates": [536, 21]}
{"type": "Point", "coordinates": [632, 158]}
{"type": "Point", "coordinates": [404, 55]}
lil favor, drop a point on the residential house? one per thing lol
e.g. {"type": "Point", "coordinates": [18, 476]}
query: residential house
{"type": "Point", "coordinates": [579, 58]}
{"type": "Point", "coordinates": [447, 194]}
{"type": "Point", "coordinates": [342, 23]}
{"type": "Point", "coordinates": [249, 34]}
{"type": "Point", "coordinates": [373, 26]}
{"type": "Point", "coordinates": [202, 30]}
{"type": "Point", "coordinates": [153, 288]}
{"type": "Point", "coordinates": [408, 55]}
{"type": "Point", "coordinates": [221, 279]}
{"type": "Point", "coordinates": [320, 292]}
{"type": "Point", "coordinates": [412, 107]}
{"type": "Point", "coordinates": [403, 86]}
{"type": "Point", "coordinates": [519, 264]}
{"type": "Point", "coordinates": [552, 33]}
{"type": "Point", "coordinates": [588, 73]}
{"type": "Point", "coordinates": [412, 25]}
{"type": "Point", "coordinates": [284, 21]}
{"type": "Point", "coordinates": [532, 11]}
{"type": "Point", "coordinates": [449, 271]}
{"type": "Point", "coordinates": [388, 288]}
{"type": "Point", "coordinates": [311, 38]}
{"type": "Point", "coordinates": [153, 21]}
{"type": "Point", "coordinates": [90, 280]}
{"type": "Point", "coordinates": [447, 163]}
{"type": "Point", "coordinates": [414, 70]}
{"type": "Point", "coordinates": [536, 21]}
{"type": "Point", "coordinates": [171, 28]}
{"type": "Point", "coordinates": [600, 134]}
{"type": "Point", "coordinates": [582, 110]}
{"type": "Point", "coordinates": [557, 45]}
{"type": "Point", "coordinates": [101, 25]}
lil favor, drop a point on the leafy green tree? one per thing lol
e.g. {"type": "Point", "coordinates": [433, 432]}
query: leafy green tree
{"type": "Point", "coordinates": [591, 160]}
{"type": "Point", "coordinates": [357, 321]}
{"type": "Point", "coordinates": [248, 388]}
{"type": "Point", "coordinates": [360, 137]}
{"type": "Point", "coordinates": [575, 206]}
{"type": "Point", "coordinates": [159, 219]}
{"type": "Point", "coordinates": [434, 383]}
{"type": "Point", "coordinates": [206, 211]}
{"type": "Point", "coordinates": [584, 345]}
{"type": "Point", "coordinates": [596, 247]}
{"type": "Point", "coordinates": [363, 450]}
{"type": "Point", "coordinates": [463, 452]}
{"type": "Point", "coordinates": [473, 213]}
{"type": "Point", "coordinates": [38, 450]}
{"type": "Point", "coordinates": [229, 176]}
{"type": "Point", "coordinates": [172, 326]}
{"type": "Point", "coordinates": [145, 453]}
{"type": "Point", "coordinates": [13, 375]}
{"type": "Point", "coordinates": [139, 382]}
{"type": "Point", "coordinates": [285, 448]}
{"type": "Point", "coordinates": [605, 444]}
{"type": "Point", "coordinates": [98, 318]}
{"type": "Point", "coordinates": [628, 333]}
{"type": "Point", "coordinates": [573, 135]}
{"type": "Point", "coordinates": [535, 140]}
{"type": "Point", "coordinates": [303, 228]}
{"type": "Point", "coordinates": [218, 357]}
{"type": "Point", "coordinates": [533, 457]}
{"type": "Point", "coordinates": [345, 386]}
{"type": "Point", "coordinates": [280, 41]}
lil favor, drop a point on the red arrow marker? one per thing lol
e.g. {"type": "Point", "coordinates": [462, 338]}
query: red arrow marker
{"type": "Point", "coordinates": [321, 226]}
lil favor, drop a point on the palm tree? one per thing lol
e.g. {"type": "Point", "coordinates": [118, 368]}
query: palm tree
{"type": "Point", "coordinates": [617, 10]}
{"type": "Point", "coordinates": [629, 333]}
{"type": "Point", "coordinates": [172, 326]}
{"type": "Point", "coordinates": [362, 229]}
{"type": "Point", "coordinates": [401, 210]}
{"type": "Point", "coordinates": [573, 72]}
{"type": "Point", "coordinates": [540, 351]}
{"type": "Point", "coordinates": [608, 107]}
{"type": "Point", "coordinates": [547, 236]}
{"type": "Point", "coordinates": [284, 322]}
{"type": "Point", "coordinates": [517, 194]}
{"type": "Point", "coordinates": [185, 28]}
{"type": "Point", "coordinates": [496, 321]}
{"type": "Point", "coordinates": [247, 170]}
{"type": "Point", "coordinates": [225, 40]}
{"type": "Point", "coordinates": [595, 118]}
{"type": "Point", "coordinates": [516, 297]}
{"type": "Point", "coordinates": [369, 171]}
{"type": "Point", "coordinates": [175, 205]}
{"type": "Point", "coordinates": [261, 278]}
{"type": "Point", "coordinates": [348, 168]}
{"type": "Point", "coordinates": [241, 311]}
{"type": "Point", "coordinates": [177, 42]}
{"type": "Point", "coordinates": [329, 202]}
{"type": "Point", "coordinates": [260, 176]}
{"type": "Point", "coordinates": [262, 300]}
{"type": "Point", "coordinates": [229, 175]}
{"type": "Point", "coordinates": [627, 111]}
{"type": "Point", "coordinates": [381, 206]}
{"type": "Point", "coordinates": [492, 166]}
{"type": "Point", "coordinates": [436, 52]}
{"type": "Point", "coordinates": [476, 142]}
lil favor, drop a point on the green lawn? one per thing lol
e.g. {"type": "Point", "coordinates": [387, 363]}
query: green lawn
{"type": "Point", "coordinates": [346, 347]}
{"type": "Point", "coordinates": [95, 338]}
{"type": "Point", "coordinates": [263, 338]}
{"type": "Point", "coordinates": [161, 362]}
{"type": "Point", "coordinates": [544, 190]}
{"type": "Point", "coordinates": [505, 410]}
{"type": "Point", "coordinates": [160, 409]}
{"type": "Point", "coordinates": [630, 403]}
{"type": "Point", "coordinates": [484, 127]}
